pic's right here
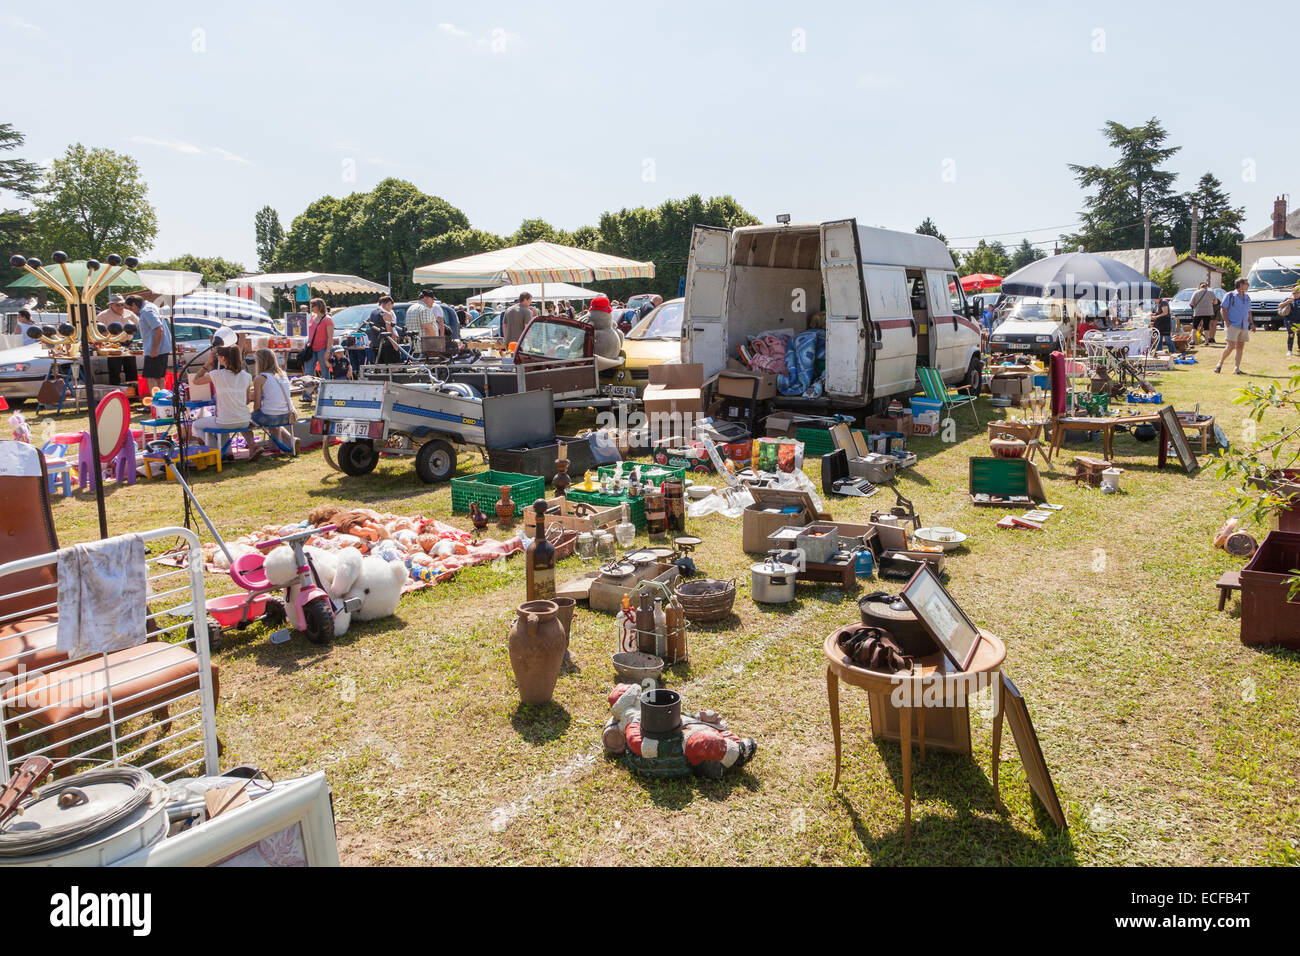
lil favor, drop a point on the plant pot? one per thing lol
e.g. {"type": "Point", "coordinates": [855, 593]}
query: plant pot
{"type": "Point", "coordinates": [661, 712]}
{"type": "Point", "coordinates": [537, 643]}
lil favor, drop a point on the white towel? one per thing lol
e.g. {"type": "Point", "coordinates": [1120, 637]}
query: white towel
{"type": "Point", "coordinates": [103, 596]}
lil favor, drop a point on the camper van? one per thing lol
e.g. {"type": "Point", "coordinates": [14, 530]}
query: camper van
{"type": "Point", "coordinates": [1271, 280]}
{"type": "Point", "coordinates": [891, 301]}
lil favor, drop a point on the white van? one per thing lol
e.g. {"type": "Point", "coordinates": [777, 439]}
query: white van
{"type": "Point", "coordinates": [1271, 280]}
{"type": "Point", "coordinates": [892, 300]}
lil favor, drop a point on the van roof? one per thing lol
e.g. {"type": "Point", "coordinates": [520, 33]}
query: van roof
{"type": "Point", "coordinates": [886, 247]}
{"type": "Point", "coordinates": [1277, 262]}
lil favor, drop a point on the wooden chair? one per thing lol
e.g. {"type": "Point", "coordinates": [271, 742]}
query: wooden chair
{"type": "Point", "coordinates": [936, 389]}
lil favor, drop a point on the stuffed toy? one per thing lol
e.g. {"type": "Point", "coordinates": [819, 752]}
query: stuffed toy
{"type": "Point", "coordinates": [705, 745]}
{"type": "Point", "coordinates": [607, 341]}
{"type": "Point", "coordinates": [345, 574]}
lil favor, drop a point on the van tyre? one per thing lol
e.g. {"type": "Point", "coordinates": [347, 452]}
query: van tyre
{"type": "Point", "coordinates": [357, 458]}
{"type": "Point", "coordinates": [974, 380]}
{"type": "Point", "coordinates": [435, 461]}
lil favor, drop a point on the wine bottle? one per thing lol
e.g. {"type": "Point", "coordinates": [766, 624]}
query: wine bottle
{"type": "Point", "coordinates": [540, 559]}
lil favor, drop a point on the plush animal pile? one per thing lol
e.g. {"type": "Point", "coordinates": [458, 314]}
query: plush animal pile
{"type": "Point", "coordinates": [705, 745]}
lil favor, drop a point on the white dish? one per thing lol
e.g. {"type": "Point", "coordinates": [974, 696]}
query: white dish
{"type": "Point", "coordinates": [945, 538]}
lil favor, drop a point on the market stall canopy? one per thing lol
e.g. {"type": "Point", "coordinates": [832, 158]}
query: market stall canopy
{"type": "Point", "coordinates": [327, 282]}
{"type": "Point", "coordinates": [980, 280]}
{"type": "Point", "coordinates": [204, 306]}
{"type": "Point", "coordinates": [78, 271]}
{"type": "Point", "coordinates": [1080, 275]}
{"type": "Point", "coordinates": [535, 262]}
{"type": "Point", "coordinates": [554, 291]}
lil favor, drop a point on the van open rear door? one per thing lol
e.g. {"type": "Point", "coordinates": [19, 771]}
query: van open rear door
{"type": "Point", "coordinates": [704, 327]}
{"type": "Point", "coordinates": [846, 310]}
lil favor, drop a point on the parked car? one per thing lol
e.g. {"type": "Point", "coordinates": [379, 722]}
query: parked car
{"type": "Point", "coordinates": [655, 340]}
{"type": "Point", "coordinates": [22, 370]}
{"type": "Point", "coordinates": [1180, 306]}
{"type": "Point", "coordinates": [486, 326]}
{"type": "Point", "coordinates": [1035, 327]}
{"type": "Point", "coordinates": [638, 300]}
{"type": "Point", "coordinates": [1271, 280]}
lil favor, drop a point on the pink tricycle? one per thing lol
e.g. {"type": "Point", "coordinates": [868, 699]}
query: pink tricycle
{"type": "Point", "coordinates": [309, 606]}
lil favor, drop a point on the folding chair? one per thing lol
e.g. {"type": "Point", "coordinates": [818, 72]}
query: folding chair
{"type": "Point", "coordinates": [933, 385]}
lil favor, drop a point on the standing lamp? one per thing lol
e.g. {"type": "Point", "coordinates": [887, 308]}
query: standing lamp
{"type": "Point", "coordinates": [81, 305]}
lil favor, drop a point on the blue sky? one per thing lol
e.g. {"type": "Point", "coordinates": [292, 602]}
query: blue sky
{"type": "Point", "coordinates": [965, 112]}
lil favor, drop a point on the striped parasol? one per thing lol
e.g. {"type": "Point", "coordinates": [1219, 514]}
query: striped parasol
{"type": "Point", "coordinates": [534, 262]}
{"type": "Point", "coordinates": [223, 309]}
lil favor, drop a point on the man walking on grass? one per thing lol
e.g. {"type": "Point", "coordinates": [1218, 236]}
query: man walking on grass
{"type": "Point", "coordinates": [1237, 325]}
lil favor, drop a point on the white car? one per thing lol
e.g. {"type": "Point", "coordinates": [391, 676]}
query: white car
{"type": "Point", "coordinates": [1036, 327]}
{"type": "Point", "coordinates": [1271, 280]}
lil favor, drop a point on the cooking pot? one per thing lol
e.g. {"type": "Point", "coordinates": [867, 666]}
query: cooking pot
{"type": "Point", "coordinates": [893, 615]}
{"type": "Point", "coordinates": [773, 581]}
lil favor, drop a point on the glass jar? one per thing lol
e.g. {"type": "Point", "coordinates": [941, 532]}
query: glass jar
{"type": "Point", "coordinates": [586, 546]}
{"type": "Point", "coordinates": [605, 548]}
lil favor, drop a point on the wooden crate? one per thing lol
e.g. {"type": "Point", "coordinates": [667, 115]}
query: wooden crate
{"type": "Point", "coordinates": [560, 511]}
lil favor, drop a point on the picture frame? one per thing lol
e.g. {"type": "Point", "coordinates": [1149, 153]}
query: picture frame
{"type": "Point", "coordinates": [1031, 752]}
{"type": "Point", "coordinates": [1182, 447]}
{"type": "Point", "coordinates": [295, 323]}
{"type": "Point", "coordinates": [290, 825]}
{"type": "Point", "coordinates": [941, 616]}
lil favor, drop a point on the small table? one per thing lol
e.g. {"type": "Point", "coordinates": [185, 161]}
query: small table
{"type": "Point", "coordinates": [1106, 426]}
{"type": "Point", "coordinates": [984, 670]}
{"type": "Point", "coordinates": [199, 458]}
{"type": "Point", "coordinates": [1205, 427]}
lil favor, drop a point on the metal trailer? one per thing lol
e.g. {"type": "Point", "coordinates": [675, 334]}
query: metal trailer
{"type": "Point", "coordinates": [431, 421]}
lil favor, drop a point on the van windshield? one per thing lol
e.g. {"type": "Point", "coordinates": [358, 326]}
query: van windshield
{"type": "Point", "coordinates": [1261, 279]}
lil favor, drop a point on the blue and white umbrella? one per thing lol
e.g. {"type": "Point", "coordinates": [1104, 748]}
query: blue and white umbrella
{"type": "Point", "coordinates": [216, 309]}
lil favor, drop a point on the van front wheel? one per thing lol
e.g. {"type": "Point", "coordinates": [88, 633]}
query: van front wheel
{"type": "Point", "coordinates": [974, 380]}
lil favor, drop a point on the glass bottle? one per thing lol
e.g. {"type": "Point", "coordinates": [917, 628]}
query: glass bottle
{"type": "Point", "coordinates": [540, 559]}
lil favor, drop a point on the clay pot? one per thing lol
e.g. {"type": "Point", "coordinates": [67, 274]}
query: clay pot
{"type": "Point", "coordinates": [566, 608]}
{"type": "Point", "coordinates": [537, 644]}
{"type": "Point", "coordinates": [505, 507]}
{"type": "Point", "coordinates": [477, 516]}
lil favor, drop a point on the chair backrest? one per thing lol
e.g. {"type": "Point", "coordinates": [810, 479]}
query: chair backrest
{"type": "Point", "coordinates": [931, 385]}
{"type": "Point", "coordinates": [26, 526]}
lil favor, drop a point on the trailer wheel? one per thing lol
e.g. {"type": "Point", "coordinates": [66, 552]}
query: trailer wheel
{"type": "Point", "coordinates": [435, 461]}
{"type": "Point", "coordinates": [357, 458]}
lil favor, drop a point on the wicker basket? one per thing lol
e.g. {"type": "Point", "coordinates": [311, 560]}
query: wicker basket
{"type": "Point", "coordinates": [706, 600]}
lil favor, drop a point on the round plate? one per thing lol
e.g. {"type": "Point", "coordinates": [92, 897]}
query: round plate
{"type": "Point", "coordinates": [945, 538]}
{"type": "Point", "coordinates": [113, 420]}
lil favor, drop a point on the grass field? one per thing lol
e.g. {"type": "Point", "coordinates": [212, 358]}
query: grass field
{"type": "Point", "coordinates": [1169, 741]}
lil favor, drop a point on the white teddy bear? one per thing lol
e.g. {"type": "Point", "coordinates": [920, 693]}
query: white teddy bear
{"type": "Point", "coordinates": [345, 574]}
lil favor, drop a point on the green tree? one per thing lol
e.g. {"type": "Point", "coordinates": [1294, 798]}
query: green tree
{"type": "Point", "coordinates": [214, 269]}
{"type": "Point", "coordinates": [1121, 193]}
{"type": "Point", "coordinates": [94, 202]}
{"type": "Point", "coordinates": [1165, 279]}
{"type": "Point", "coordinates": [268, 234]}
{"type": "Point", "coordinates": [989, 257]}
{"type": "Point", "coordinates": [1219, 222]}
{"type": "Point", "coordinates": [19, 179]}
{"type": "Point", "coordinates": [1025, 253]}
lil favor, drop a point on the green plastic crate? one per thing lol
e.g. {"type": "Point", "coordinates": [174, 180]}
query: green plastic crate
{"type": "Point", "coordinates": [635, 506]}
{"type": "Point", "coordinates": [485, 488]}
{"type": "Point", "coordinates": [660, 471]}
{"type": "Point", "coordinates": [816, 442]}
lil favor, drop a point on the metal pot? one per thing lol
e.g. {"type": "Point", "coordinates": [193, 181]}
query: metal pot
{"type": "Point", "coordinates": [661, 712]}
{"type": "Point", "coordinates": [900, 621]}
{"type": "Point", "coordinates": [772, 581]}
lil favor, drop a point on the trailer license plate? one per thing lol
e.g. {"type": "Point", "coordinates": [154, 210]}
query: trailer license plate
{"type": "Point", "coordinates": [622, 391]}
{"type": "Point", "coordinates": [349, 428]}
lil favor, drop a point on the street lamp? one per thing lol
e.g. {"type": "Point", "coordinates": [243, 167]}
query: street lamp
{"type": "Point", "coordinates": [66, 340]}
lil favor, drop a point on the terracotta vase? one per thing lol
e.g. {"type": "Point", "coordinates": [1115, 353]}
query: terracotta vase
{"type": "Point", "coordinates": [505, 507]}
{"type": "Point", "coordinates": [477, 516]}
{"type": "Point", "coordinates": [537, 644]}
{"type": "Point", "coordinates": [566, 608]}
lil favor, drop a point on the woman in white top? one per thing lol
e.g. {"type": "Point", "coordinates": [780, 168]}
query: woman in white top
{"type": "Point", "coordinates": [271, 408]}
{"type": "Point", "coordinates": [231, 386]}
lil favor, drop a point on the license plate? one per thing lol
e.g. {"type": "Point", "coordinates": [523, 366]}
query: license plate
{"type": "Point", "coordinates": [1017, 345]}
{"type": "Point", "coordinates": [622, 391]}
{"type": "Point", "coordinates": [351, 428]}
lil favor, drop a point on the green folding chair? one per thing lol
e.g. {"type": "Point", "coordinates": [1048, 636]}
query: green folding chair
{"type": "Point", "coordinates": [935, 389]}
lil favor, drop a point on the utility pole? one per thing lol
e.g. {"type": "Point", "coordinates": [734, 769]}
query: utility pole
{"type": "Point", "coordinates": [1195, 222]}
{"type": "Point", "coordinates": [1146, 243]}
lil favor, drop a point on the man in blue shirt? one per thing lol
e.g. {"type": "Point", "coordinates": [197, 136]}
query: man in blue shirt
{"type": "Point", "coordinates": [1237, 324]}
{"type": "Point", "coordinates": [157, 339]}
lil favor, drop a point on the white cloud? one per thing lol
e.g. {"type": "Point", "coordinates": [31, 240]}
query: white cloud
{"type": "Point", "coordinates": [452, 30]}
{"type": "Point", "coordinates": [17, 23]}
{"type": "Point", "coordinates": [189, 149]}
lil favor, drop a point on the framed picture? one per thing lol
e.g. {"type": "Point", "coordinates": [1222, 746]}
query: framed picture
{"type": "Point", "coordinates": [1031, 753]}
{"type": "Point", "coordinates": [290, 825]}
{"type": "Point", "coordinates": [295, 323]}
{"type": "Point", "coordinates": [940, 615]}
{"type": "Point", "coordinates": [1182, 447]}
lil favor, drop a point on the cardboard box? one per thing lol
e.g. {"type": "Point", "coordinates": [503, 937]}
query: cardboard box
{"type": "Point", "coordinates": [1014, 384]}
{"type": "Point", "coordinates": [676, 389]}
{"type": "Point", "coordinates": [890, 423]}
{"type": "Point", "coordinates": [759, 385]}
{"type": "Point", "coordinates": [781, 425]}
{"type": "Point", "coordinates": [765, 516]}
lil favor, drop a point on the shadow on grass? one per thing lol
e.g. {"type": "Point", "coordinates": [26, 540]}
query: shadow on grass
{"type": "Point", "coordinates": [677, 793]}
{"type": "Point", "coordinates": [540, 723]}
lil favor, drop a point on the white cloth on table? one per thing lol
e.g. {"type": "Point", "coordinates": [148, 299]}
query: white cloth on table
{"type": "Point", "coordinates": [103, 596]}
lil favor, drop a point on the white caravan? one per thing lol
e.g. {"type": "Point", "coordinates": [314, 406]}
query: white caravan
{"type": "Point", "coordinates": [892, 301]}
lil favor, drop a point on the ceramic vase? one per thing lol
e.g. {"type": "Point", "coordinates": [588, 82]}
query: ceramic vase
{"type": "Point", "coordinates": [537, 645]}
{"type": "Point", "coordinates": [561, 481]}
{"type": "Point", "coordinates": [505, 507]}
{"type": "Point", "coordinates": [477, 516]}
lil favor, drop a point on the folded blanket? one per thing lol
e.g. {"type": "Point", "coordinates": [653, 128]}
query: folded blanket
{"type": "Point", "coordinates": [103, 596]}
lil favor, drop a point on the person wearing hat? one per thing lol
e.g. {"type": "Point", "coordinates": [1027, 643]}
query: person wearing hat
{"type": "Point", "coordinates": [118, 364]}
{"type": "Point", "coordinates": [340, 364]}
{"type": "Point", "coordinates": [426, 316]}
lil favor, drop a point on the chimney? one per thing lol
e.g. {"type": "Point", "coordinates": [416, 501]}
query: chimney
{"type": "Point", "coordinates": [1279, 217]}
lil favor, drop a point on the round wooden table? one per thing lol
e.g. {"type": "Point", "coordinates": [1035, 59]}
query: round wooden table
{"type": "Point", "coordinates": [911, 690]}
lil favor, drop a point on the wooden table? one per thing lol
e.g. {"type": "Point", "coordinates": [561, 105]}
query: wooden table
{"type": "Point", "coordinates": [1105, 425]}
{"type": "Point", "coordinates": [1204, 427]}
{"type": "Point", "coordinates": [984, 671]}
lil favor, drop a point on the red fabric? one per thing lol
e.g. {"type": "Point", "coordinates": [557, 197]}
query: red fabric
{"type": "Point", "coordinates": [599, 304]}
{"type": "Point", "coordinates": [704, 745]}
{"type": "Point", "coordinates": [315, 336]}
{"type": "Point", "coordinates": [1059, 382]}
{"type": "Point", "coordinates": [634, 737]}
